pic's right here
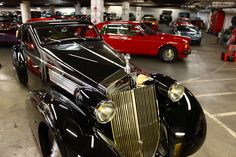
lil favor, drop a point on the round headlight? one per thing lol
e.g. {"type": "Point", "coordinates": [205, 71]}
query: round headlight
{"type": "Point", "coordinates": [105, 111]}
{"type": "Point", "coordinates": [176, 92]}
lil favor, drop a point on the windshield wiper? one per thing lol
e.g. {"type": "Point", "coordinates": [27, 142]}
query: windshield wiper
{"type": "Point", "coordinates": [76, 38]}
{"type": "Point", "coordinates": [51, 41]}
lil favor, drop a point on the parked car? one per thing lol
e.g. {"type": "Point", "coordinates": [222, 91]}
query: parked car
{"type": "Point", "coordinates": [88, 100]}
{"type": "Point", "coordinates": [181, 21]}
{"type": "Point", "coordinates": [7, 31]}
{"type": "Point", "coordinates": [198, 23]}
{"type": "Point", "coordinates": [184, 14]}
{"type": "Point", "coordinates": [137, 38]}
{"type": "Point", "coordinates": [166, 17]}
{"type": "Point", "coordinates": [189, 31]}
{"type": "Point", "coordinates": [151, 22]}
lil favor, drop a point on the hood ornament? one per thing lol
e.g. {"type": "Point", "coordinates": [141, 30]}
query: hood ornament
{"type": "Point", "coordinates": [133, 75]}
{"type": "Point", "coordinates": [127, 66]}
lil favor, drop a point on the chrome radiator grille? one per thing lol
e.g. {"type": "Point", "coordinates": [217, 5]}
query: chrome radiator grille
{"type": "Point", "coordinates": [136, 123]}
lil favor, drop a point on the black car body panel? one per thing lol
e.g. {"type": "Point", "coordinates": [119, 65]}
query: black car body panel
{"type": "Point", "coordinates": [71, 79]}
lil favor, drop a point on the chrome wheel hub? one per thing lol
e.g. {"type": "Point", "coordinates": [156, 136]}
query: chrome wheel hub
{"type": "Point", "coordinates": [169, 54]}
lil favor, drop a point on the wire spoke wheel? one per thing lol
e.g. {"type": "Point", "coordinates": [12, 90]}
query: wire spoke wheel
{"type": "Point", "coordinates": [168, 54]}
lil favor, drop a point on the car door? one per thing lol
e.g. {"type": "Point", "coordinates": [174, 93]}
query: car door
{"type": "Point", "coordinates": [33, 60]}
{"type": "Point", "coordinates": [112, 35]}
{"type": "Point", "coordinates": [137, 42]}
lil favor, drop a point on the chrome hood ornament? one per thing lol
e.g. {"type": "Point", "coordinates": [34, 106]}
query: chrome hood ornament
{"type": "Point", "coordinates": [127, 66]}
{"type": "Point", "coordinates": [133, 75]}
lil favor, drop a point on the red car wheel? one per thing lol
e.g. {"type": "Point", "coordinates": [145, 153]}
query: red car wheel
{"type": "Point", "coordinates": [168, 54]}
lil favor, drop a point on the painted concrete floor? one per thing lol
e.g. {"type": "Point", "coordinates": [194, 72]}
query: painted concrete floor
{"type": "Point", "coordinates": [211, 80]}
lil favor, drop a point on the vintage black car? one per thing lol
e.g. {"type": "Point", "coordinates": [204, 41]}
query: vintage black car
{"type": "Point", "coordinates": [87, 100]}
{"type": "Point", "coordinates": [166, 17]}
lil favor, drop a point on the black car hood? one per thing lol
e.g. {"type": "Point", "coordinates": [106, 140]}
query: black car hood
{"type": "Point", "coordinates": [91, 60]}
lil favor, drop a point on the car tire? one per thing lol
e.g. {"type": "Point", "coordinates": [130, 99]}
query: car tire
{"type": "Point", "coordinates": [230, 58]}
{"type": "Point", "coordinates": [168, 54]}
{"type": "Point", "coordinates": [199, 42]}
{"type": "Point", "coordinates": [49, 145]}
{"type": "Point", "coordinates": [163, 148]}
{"type": "Point", "coordinates": [22, 76]}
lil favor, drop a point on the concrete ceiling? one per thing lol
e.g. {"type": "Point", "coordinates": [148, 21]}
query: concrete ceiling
{"type": "Point", "coordinates": [148, 3]}
{"type": "Point", "coordinates": [38, 3]}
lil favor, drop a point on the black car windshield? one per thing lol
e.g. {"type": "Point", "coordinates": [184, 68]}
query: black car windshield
{"type": "Point", "coordinates": [57, 33]}
{"type": "Point", "coordinates": [186, 29]}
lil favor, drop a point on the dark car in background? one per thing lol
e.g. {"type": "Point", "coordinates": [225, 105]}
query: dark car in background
{"type": "Point", "coordinates": [7, 31]}
{"type": "Point", "coordinates": [166, 17]}
{"type": "Point", "coordinates": [189, 31]}
{"type": "Point", "coordinates": [87, 100]}
{"type": "Point", "coordinates": [198, 22]}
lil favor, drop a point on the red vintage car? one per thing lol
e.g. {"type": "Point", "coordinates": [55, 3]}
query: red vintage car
{"type": "Point", "coordinates": [137, 38]}
{"type": "Point", "coordinates": [182, 21]}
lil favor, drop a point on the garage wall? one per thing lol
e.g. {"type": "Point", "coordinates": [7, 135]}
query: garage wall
{"type": "Point", "coordinates": [149, 10]}
{"type": "Point", "coordinates": [229, 13]}
{"type": "Point", "coordinates": [204, 15]}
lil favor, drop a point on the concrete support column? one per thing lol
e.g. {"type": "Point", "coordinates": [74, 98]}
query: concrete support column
{"type": "Point", "coordinates": [52, 9]}
{"type": "Point", "coordinates": [25, 11]}
{"type": "Point", "coordinates": [78, 9]}
{"type": "Point", "coordinates": [97, 8]}
{"type": "Point", "coordinates": [125, 11]}
{"type": "Point", "coordinates": [84, 10]}
{"type": "Point", "coordinates": [138, 13]}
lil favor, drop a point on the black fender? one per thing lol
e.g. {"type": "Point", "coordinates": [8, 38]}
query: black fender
{"type": "Point", "coordinates": [19, 62]}
{"type": "Point", "coordinates": [73, 128]}
{"type": "Point", "coordinates": [184, 120]}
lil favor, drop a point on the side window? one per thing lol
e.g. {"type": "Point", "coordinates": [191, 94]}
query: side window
{"type": "Point", "coordinates": [103, 30]}
{"type": "Point", "coordinates": [133, 30]}
{"type": "Point", "coordinates": [112, 29]}
{"type": "Point", "coordinates": [115, 29]}
{"type": "Point", "coordinates": [121, 29]}
{"type": "Point", "coordinates": [29, 43]}
{"type": "Point", "coordinates": [27, 39]}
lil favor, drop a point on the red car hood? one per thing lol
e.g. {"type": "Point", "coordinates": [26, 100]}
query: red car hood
{"type": "Point", "coordinates": [174, 38]}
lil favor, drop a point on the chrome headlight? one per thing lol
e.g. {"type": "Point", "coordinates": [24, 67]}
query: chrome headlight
{"type": "Point", "coordinates": [176, 92]}
{"type": "Point", "coordinates": [105, 111]}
